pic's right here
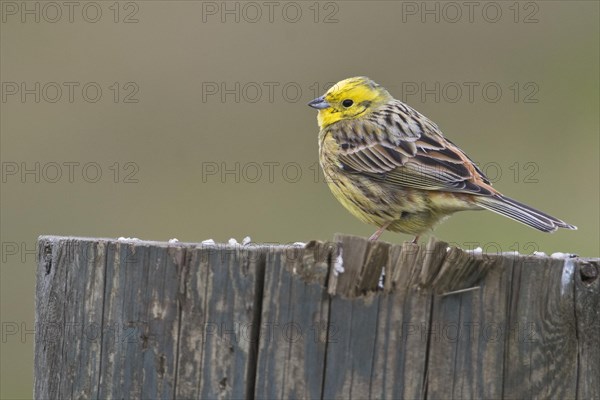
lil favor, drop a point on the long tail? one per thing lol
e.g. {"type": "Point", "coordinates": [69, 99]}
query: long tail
{"type": "Point", "coordinates": [523, 213]}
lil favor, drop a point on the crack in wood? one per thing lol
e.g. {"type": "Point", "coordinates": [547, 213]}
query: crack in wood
{"type": "Point", "coordinates": [278, 321]}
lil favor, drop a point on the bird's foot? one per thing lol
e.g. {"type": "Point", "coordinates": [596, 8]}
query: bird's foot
{"type": "Point", "coordinates": [378, 233]}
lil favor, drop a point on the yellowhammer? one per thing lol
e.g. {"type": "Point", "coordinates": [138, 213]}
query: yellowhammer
{"type": "Point", "coordinates": [391, 167]}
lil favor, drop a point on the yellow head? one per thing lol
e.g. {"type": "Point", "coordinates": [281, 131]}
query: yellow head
{"type": "Point", "coordinates": [349, 99]}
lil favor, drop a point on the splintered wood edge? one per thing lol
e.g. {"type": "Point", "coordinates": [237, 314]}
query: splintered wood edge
{"type": "Point", "coordinates": [353, 266]}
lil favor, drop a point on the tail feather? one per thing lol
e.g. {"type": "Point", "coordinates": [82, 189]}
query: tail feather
{"type": "Point", "coordinates": [522, 213]}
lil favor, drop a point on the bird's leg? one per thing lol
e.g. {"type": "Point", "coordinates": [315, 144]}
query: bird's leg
{"type": "Point", "coordinates": [376, 235]}
{"type": "Point", "coordinates": [416, 239]}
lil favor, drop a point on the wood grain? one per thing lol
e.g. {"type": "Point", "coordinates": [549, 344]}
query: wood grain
{"type": "Point", "coordinates": [347, 319]}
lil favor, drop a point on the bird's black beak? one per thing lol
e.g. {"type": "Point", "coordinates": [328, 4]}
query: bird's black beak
{"type": "Point", "coordinates": [319, 103]}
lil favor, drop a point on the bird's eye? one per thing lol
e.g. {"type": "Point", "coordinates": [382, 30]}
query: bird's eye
{"type": "Point", "coordinates": [347, 103]}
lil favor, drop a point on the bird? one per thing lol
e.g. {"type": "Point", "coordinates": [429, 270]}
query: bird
{"type": "Point", "coordinates": [390, 166]}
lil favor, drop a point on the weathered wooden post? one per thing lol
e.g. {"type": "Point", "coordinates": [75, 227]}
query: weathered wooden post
{"type": "Point", "coordinates": [137, 319]}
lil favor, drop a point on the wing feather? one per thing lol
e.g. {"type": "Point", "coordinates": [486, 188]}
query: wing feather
{"type": "Point", "coordinates": [399, 146]}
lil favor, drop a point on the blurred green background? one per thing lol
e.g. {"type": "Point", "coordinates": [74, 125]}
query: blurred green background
{"type": "Point", "coordinates": [201, 128]}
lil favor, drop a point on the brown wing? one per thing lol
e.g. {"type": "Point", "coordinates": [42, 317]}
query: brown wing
{"type": "Point", "coordinates": [399, 146]}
